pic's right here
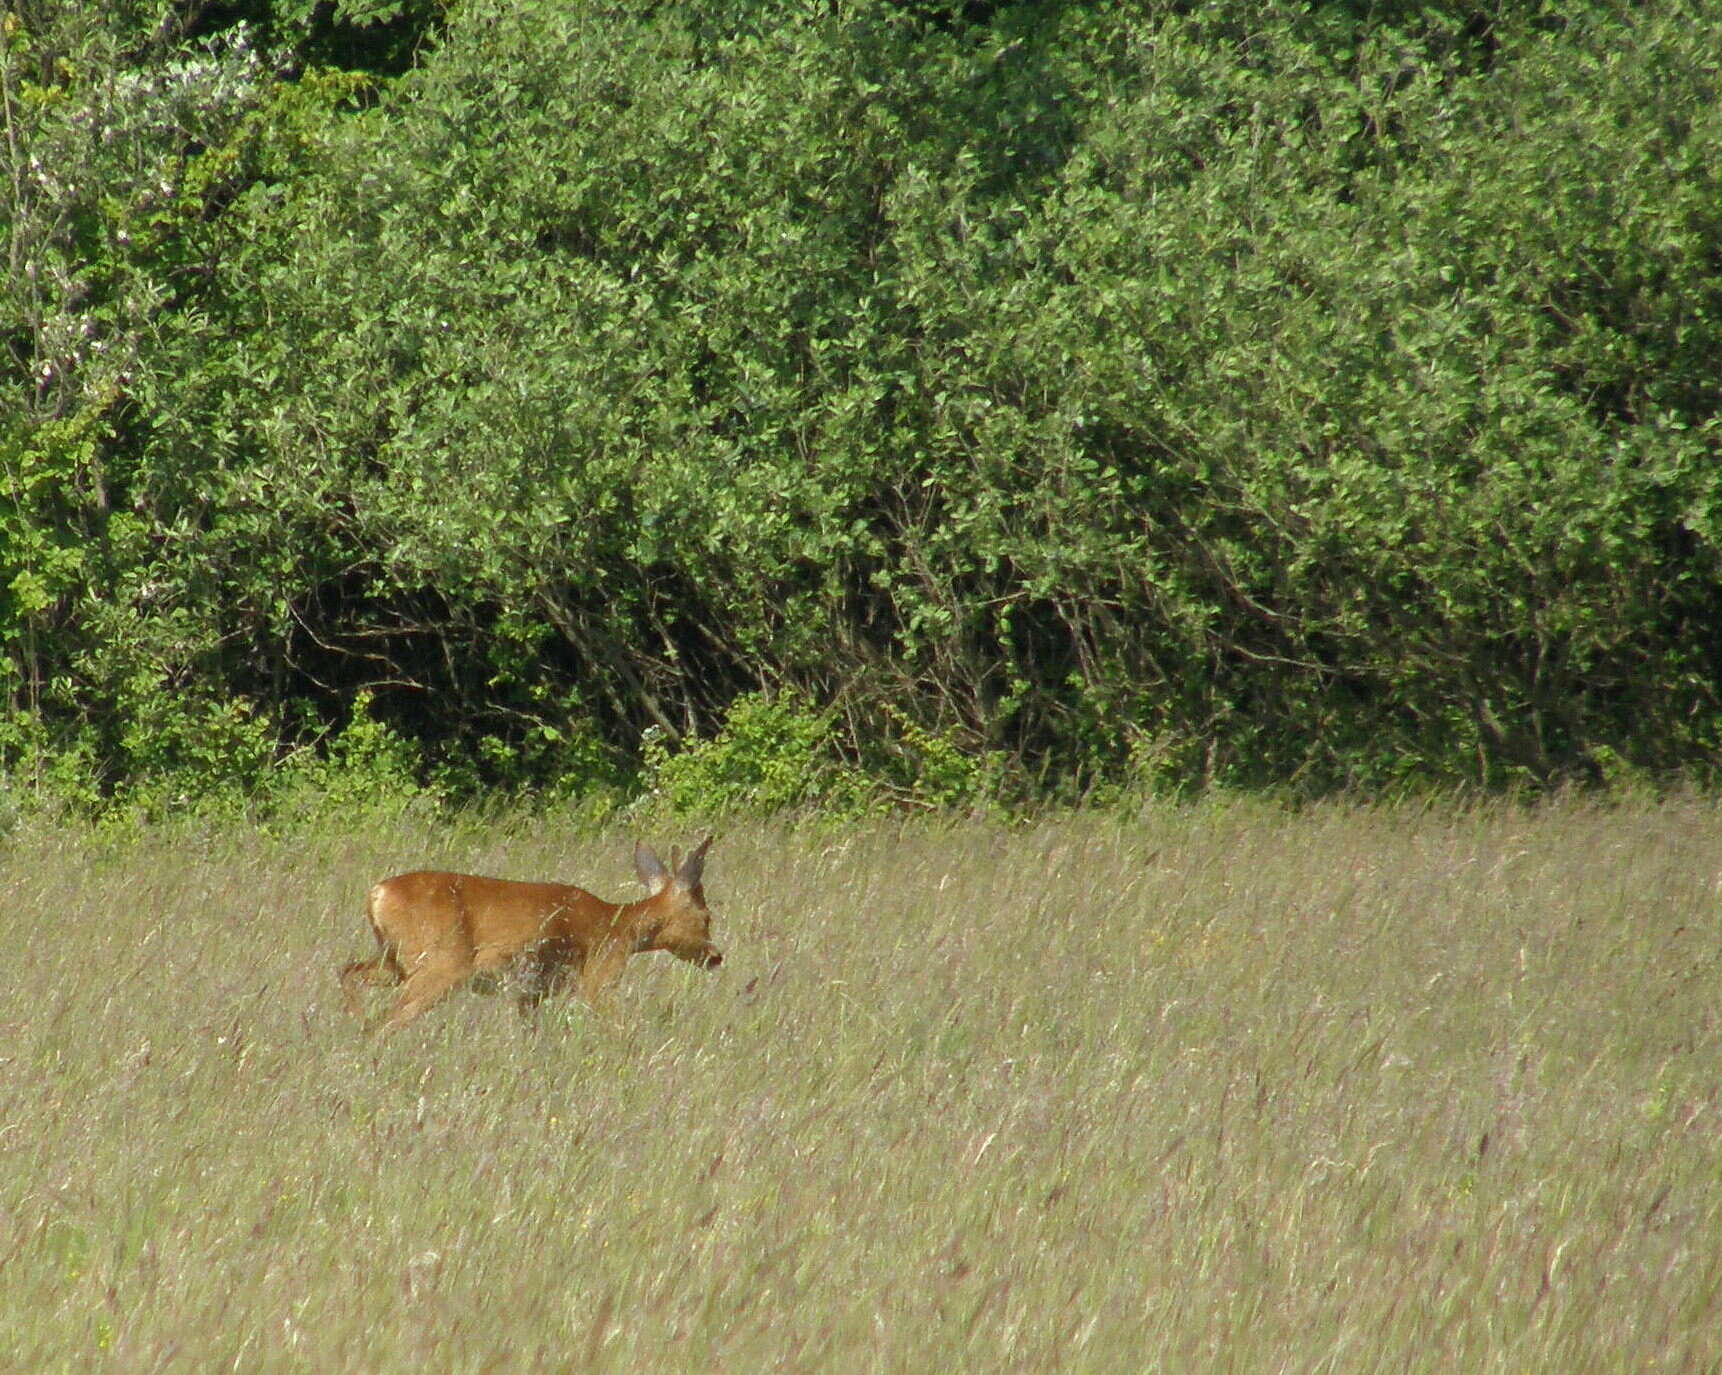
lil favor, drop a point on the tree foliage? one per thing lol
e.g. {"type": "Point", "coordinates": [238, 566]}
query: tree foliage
{"type": "Point", "coordinates": [1038, 398]}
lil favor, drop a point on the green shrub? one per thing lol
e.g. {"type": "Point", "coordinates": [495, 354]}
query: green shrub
{"type": "Point", "coordinates": [367, 769]}
{"type": "Point", "coordinates": [1031, 404]}
{"type": "Point", "coordinates": [770, 755]}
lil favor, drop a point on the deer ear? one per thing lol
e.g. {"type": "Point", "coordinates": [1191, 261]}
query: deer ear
{"type": "Point", "coordinates": [690, 870]}
{"type": "Point", "coordinates": [650, 868]}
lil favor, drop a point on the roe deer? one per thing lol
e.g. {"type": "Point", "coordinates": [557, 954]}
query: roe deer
{"type": "Point", "coordinates": [437, 930]}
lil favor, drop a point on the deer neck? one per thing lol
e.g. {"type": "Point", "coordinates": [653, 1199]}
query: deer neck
{"type": "Point", "coordinates": [638, 923]}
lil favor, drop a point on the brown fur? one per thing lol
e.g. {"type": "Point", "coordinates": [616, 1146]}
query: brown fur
{"type": "Point", "coordinates": [436, 930]}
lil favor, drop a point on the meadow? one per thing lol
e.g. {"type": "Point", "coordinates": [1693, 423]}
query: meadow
{"type": "Point", "coordinates": [1218, 1087]}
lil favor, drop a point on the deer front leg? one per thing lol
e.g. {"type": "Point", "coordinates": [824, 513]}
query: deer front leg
{"type": "Point", "coordinates": [543, 973]}
{"type": "Point", "coordinates": [603, 969]}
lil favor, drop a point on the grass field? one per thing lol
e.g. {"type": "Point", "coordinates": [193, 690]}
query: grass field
{"type": "Point", "coordinates": [1199, 1090]}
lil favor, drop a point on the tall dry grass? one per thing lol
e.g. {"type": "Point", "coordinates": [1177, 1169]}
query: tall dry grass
{"type": "Point", "coordinates": [1204, 1089]}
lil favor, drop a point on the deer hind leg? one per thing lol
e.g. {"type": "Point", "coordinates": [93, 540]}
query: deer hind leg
{"type": "Point", "coordinates": [437, 972]}
{"type": "Point", "coordinates": [380, 971]}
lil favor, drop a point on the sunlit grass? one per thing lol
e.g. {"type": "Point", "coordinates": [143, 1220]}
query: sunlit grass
{"type": "Point", "coordinates": [1218, 1088]}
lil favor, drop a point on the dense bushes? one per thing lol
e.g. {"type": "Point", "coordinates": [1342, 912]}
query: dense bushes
{"type": "Point", "coordinates": [1010, 403]}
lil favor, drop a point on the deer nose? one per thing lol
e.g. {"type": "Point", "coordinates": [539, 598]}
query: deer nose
{"type": "Point", "coordinates": [713, 959]}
